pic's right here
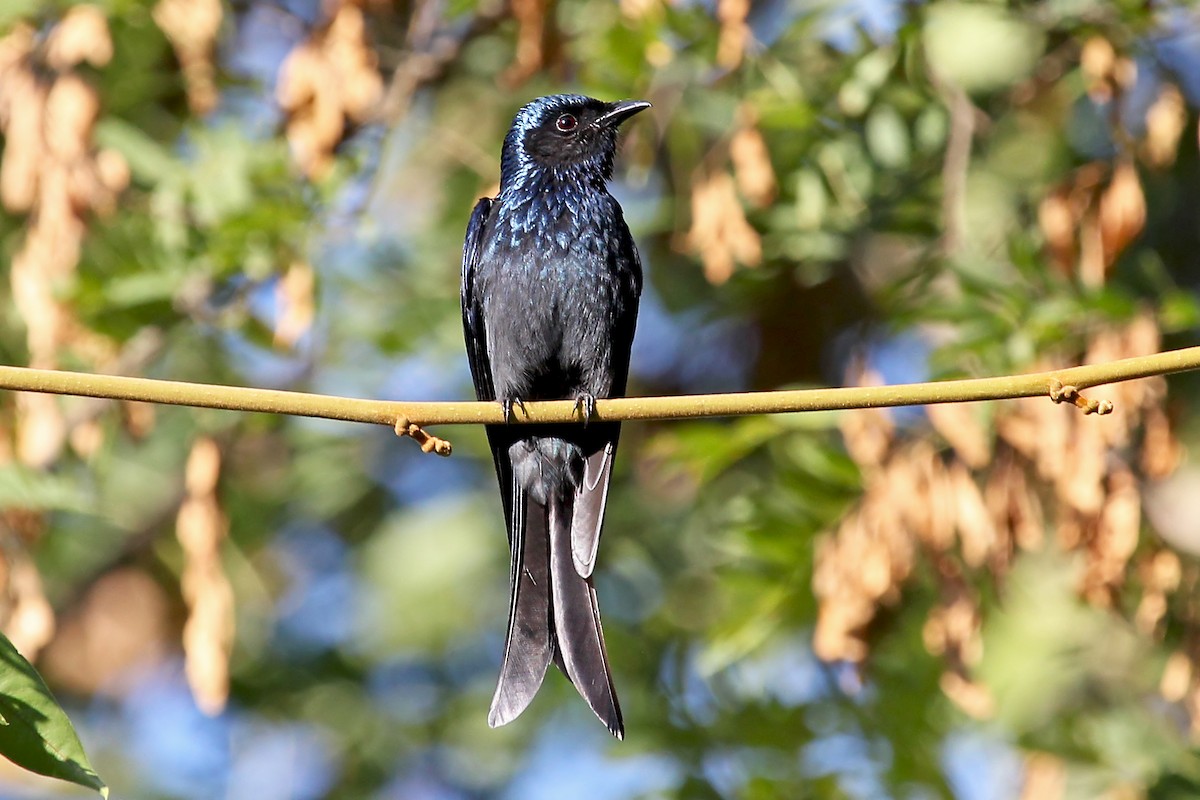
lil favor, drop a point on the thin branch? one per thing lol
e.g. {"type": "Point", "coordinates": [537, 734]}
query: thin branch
{"type": "Point", "coordinates": [431, 53]}
{"type": "Point", "coordinates": [956, 167]}
{"type": "Point", "coordinates": [234, 398]}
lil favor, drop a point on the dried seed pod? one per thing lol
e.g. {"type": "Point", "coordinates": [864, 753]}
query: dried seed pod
{"type": "Point", "coordinates": [208, 632]}
{"type": "Point", "coordinates": [530, 55]}
{"type": "Point", "coordinates": [81, 35]}
{"type": "Point", "coordinates": [973, 698]}
{"type": "Point", "coordinates": [31, 624]}
{"type": "Point", "coordinates": [1161, 452]}
{"type": "Point", "coordinates": [1098, 60]}
{"type": "Point", "coordinates": [867, 433]}
{"type": "Point", "coordinates": [1176, 677]}
{"type": "Point", "coordinates": [1058, 219]}
{"type": "Point", "coordinates": [112, 170]}
{"type": "Point", "coordinates": [1122, 211]}
{"type": "Point", "coordinates": [752, 162]}
{"type": "Point", "coordinates": [719, 233]}
{"type": "Point", "coordinates": [331, 77]}
{"type": "Point", "coordinates": [294, 295]}
{"type": "Point", "coordinates": [1014, 506]}
{"type": "Point", "coordinates": [935, 526]}
{"type": "Point", "coordinates": [1165, 120]}
{"type": "Point", "coordinates": [41, 429]}
{"type": "Point", "coordinates": [959, 425]}
{"type": "Point", "coordinates": [192, 27]}
{"type": "Point", "coordinates": [1120, 524]}
{"type": "Point", "coordinates": [23, 103]}
{"type": "Point", "coordinates": [72, 107]}
{"type": "Point", "coordinates": [734, 36]}
{"type": "Point", "coordinates": [1045, 777]}
{"type": "Point", "coordinates": [640, 9]}
{"type": "Point", "coordinates": [976, 532]}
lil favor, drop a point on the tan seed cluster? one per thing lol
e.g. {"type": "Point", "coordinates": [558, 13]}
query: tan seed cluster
{"type": "Point", "coordinates": [533, 40]}
{"type": "Point", "coordinates": [1089, 221]}
{"type": "Point", "coordinates": [208, 633]}
{"type": "Point", "coordinates": [294, 298]}
{"type": "Point", "coordinates": [25, 614]}
{"type": "Point", "coordinates": [1165, 121]}
{"type": "Point", "coordinates": [752, 161]}
{"type": "Point", "coordinates": [734, 36]}
{"type": "Point", "coordinates": [192, 27]}
{"type": "Point", "coordinates": [1045, 777]}
{"type": "Point", "coordinates": [1106, 73]}
{"type": "Point", "coordinates": [1093, 216]}
{"type": "Point", "coordinates": [719, 233]}
{"type": "Point", "coordinates": [52, 171]}
{"type": "Point", "coordinates": [992, 491]}
{"type": "Point", "coordinates": [330, 78]}
{"type": "Point", "coordinates": [640, 9]}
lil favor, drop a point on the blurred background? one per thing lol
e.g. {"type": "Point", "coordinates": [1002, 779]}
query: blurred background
{"type": "Point", "coordinates": [982, 602]}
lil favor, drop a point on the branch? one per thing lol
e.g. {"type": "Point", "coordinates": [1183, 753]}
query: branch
{"type": "Point", "coordinates": [431, 54]}
{"type": "Point", "coordinates": [1059, 385]}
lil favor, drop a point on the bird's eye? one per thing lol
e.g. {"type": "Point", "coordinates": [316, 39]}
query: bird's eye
{"type": "Point", "coordinates": [566, 123]}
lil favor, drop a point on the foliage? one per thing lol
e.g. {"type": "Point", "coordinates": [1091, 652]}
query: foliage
{"type": "Point", "coordinates": [34, 731]}
{"type": "Point", "coordinates": [275, 195]}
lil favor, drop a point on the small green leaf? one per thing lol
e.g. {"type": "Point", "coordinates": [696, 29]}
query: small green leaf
{"type": "Point", "coordinates": [22, 487]}
{"type": "Point", "coordinates": [149, 160]}
{"type": "Point", "coordinates": [38, 736]}
{"type": "Point", "coordinates": [887, 137]}
{"type": "Point", "coordinates": [15, 9]}
{"type": "Point", "coordinates": [980, 47]}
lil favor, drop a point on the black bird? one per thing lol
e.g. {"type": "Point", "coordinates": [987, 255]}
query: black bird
{"type": "Point", "coordinates": [550, 287]}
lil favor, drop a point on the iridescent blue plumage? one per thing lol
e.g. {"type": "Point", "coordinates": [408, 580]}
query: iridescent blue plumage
{"type": "Point", "coordinates": [551, 280]}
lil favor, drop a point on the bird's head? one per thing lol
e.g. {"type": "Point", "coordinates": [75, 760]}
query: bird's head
{"type": "Point", "coordinates": [567, 134]}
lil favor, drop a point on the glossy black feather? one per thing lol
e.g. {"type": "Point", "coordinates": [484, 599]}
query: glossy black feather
{"type": "Point", "coordinates": [550, 286]}
{"type": "Point", "coordinates": [472, 311]}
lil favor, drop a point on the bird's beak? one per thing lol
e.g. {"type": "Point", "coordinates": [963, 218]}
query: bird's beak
{"type": "Point", "coordinates": [619, 112]}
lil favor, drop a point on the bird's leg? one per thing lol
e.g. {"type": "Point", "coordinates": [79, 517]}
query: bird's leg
{"type": "Point", "coordinates": [585, 402]}
{"type": "Point", "coordinates": [508, 403]}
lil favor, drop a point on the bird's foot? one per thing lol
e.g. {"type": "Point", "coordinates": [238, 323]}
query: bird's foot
{"type": "Point", "coordinates": [508, 403]}
{"type": "Point", "coordinates": [586, 403]}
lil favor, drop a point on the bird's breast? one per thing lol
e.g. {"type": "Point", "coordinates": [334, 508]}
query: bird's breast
{"type": "Point", "coordinates": [559, 241]}
{"type": "Point", "coordinates": [554, 285]}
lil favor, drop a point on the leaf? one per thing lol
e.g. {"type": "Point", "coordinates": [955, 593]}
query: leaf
{"type": "Point", "coordinates": [22, 487]}
{"type": "Point", "coordinates": [150, 161]}
{"type": "Point", "coordinates": [37, 734]}
{"type": "Point", "coordinates": [980, 48]}
{"type": "Point", "coordinates": [887, 137]}
{"type": "Point", "coordinates": [13, 10]}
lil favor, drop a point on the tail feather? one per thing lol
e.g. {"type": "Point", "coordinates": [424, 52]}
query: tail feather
{"type": "Point", "coordinates": [529, 644]}
{"type": "Point", "coordinates": [588, 510]}
{"type": "Point", "coordinates": [580, 640]}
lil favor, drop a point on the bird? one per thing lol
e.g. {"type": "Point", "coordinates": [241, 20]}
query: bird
{"type": "Point", "coordinates": [551, 280]}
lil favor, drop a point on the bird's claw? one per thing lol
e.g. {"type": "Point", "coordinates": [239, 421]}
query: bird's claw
{"type": "Point", "coordinates": [508, 403]}
{"type": "Point", "coordinates": [586, 403]}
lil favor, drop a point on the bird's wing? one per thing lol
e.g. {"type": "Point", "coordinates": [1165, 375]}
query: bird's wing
{"type": "Point", "coordinates": [575, 537]}
{"type": "Point", "coordinates": [472, 303]}
{"type": "Point", "coordinates": [475, 334]}
{"type": "Point", "coordinates": [592, 492]}
{"type": "Point", "coordinates": [529, 642]}
{"type": "Point", "coordinates": [579, 638]}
